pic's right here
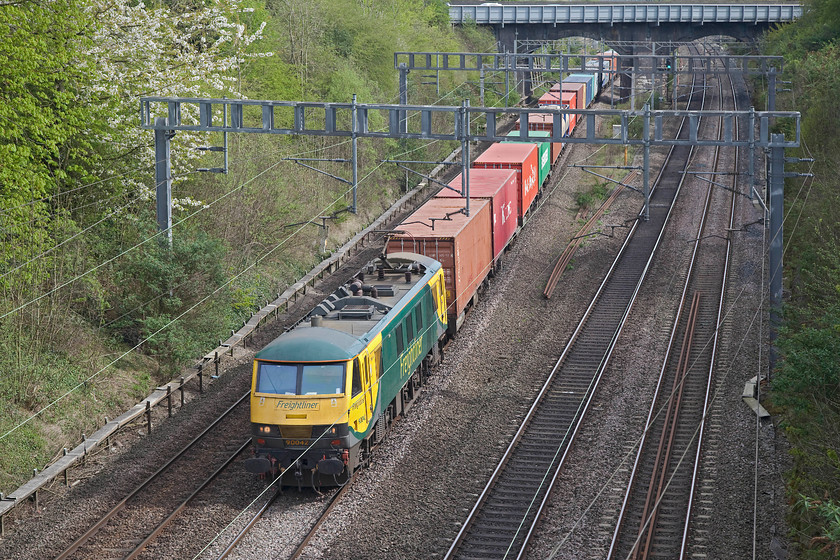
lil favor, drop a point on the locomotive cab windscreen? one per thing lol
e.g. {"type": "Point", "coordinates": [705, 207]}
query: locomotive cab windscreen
{"type": "Point", "coordinates": [301, 379]}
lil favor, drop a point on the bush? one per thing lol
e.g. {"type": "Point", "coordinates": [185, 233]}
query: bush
{"type": "Point", "coordinates": [156, 288]}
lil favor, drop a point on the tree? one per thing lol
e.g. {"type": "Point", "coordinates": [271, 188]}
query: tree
{"type": "Point", "coordinates": [43, 145]}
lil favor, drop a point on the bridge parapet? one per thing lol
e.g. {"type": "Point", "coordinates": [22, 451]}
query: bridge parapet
{"type": "Point", "coordinates": [497, 14]}
{"type": "Point", "coordinates": [624, 22]}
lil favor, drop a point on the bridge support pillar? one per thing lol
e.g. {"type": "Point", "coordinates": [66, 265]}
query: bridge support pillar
{"type": "Point", "coordinates": [527, 86]}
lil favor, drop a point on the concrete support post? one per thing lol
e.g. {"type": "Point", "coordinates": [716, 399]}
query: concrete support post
{"type": "Point", "coordinates": [465, 155]}
{"type": "Point", "coordinates": [654, 94]}
{"type": "Point", "coordinates": [527, 86]}
{"type": "Point", "coordinates": [751, 172]}
{"type": "Point", "coordinates": [646, 164]}
{"type": "Point", "coordinates": [675, 80]}
{"type": "Point", "coordinates": [163, 178]}
{"type": "Point", "coordinates": [776, 188]}
{"type": "Point", "coordinates": [403, 96]}
{"type": "Point", "coordinates": [507, 78]}
{"type": "Point", "coordinates": [355, 153]}
{"type": "Point", "coordinates": [625, 79]}
{"type": "Point", "coordinates": [515, 60]}
{"type": "Point", "coordinates": [437, 76]}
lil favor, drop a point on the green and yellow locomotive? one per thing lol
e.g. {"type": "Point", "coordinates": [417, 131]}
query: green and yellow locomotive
{"type": "Point", "coordinates": [324, 393]}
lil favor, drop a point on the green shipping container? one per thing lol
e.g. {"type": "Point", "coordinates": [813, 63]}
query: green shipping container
{"type": "Point", "coordinates": [544, 153]}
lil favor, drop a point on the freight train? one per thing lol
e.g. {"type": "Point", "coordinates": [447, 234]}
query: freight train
{"type": "Point", "coordinates": [325, 392]}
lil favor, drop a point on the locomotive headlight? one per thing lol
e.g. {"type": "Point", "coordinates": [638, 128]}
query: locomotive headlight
{"type": "Point", "coordinates": [265, 429]}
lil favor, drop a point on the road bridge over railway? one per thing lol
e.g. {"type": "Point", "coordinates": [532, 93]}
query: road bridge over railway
{"type": "Point", "coordinates": [649, 22]}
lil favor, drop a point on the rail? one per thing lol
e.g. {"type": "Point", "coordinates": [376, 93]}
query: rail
{"type": "Point", "coordinates": [112, 513]}
{"type": "Point", "coordinates": [669, 425]}
{"type": "Point", "coordinates": [213, 359]}
{"type": "Point", "coordinates": [505, 514]}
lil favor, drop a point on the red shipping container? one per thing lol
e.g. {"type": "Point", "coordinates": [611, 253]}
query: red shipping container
{"type": "Point", "coordinates": [579, 89]}
{"type": "Point", "coordinates": [521, 157]}
{"type": "Point", "coordinates": [543, 121]}
{"type": "Point", "coordinates": [499, 186]}
{"type": "Point", "coordinates": [571, 99]}
{"type": "Point", "coordinates": [551, 98]}
{"type": "Point", "coordinates": [462, 245]}
{"type": "Point", "coordinates": [556, 87]}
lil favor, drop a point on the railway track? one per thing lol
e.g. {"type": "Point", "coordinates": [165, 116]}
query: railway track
{"type": "Point", "coordinates": [507, 511]}
{"type": "Point", "coordinates": [276, 501]}
{"type": "Point", "coordinates": [654, 520]}
{"type": "Point", "coordinates": [250, 525]}
{"type": "Point", "coordinates": [144, 514]}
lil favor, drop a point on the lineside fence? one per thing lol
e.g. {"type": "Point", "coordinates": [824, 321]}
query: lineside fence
{"type": "Point", "coordinates": [211, 361]}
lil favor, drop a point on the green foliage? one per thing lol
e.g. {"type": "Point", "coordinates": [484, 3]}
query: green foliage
{"type": "Point", "coordinates": [154, 289]}
{"type": "Point", "coordinates": [806, 386]}
{"type": "Point", "coordinates": [34, 373]}
{"type": "Point", "coordinates": [75, 179]}
{"type": "Point", "coordinates": [46, 125]}
{"type": "Point", "coordinates": [269, 77]}
{"type": "Point", "coordinates": [436, 13]}
{"type": "Point", "coordinates": [475, 38]}
{"type": "Point", "coordinates": [346, 81]}
{"type": "Point", "coordinates": [811, 363]}
{"type": "Point", "coordinates": [596, 194]}
{"type": "Point", "coordinates": [818, 27]}
{"type": "Point", "coordinates": [22, 451]}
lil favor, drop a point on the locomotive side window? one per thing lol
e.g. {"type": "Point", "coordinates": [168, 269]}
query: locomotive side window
{"type": "Point", "coordinates": [280, 379]}
{"type": "Point", "coordinates": [357, 377]}
{"type": "Point", "coordinates": [398, 332]}
{"type": "Point", "coordinates": [377, 363]}
{"type": "Point", "coordinates": [409, 325]}
{"type": "Point", "coordinates": [418, 318]}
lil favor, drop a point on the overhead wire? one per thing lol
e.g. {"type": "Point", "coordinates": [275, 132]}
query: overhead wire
{"type": "Point", "coordinates": [265, 255]}
{"type": "Point", "coordinates": [311, 445]}
{"type": "Point", "coordinates": [156, 235]}
{"type": "Point", "coordinates": [174, 320]}
{"type": "Point", "coordinates": [50, 197]}
{"type": "Point", "coordinates": [72, 237]}
{"type": "Point", "coordinates": [137, 245]}
{"type": "Point", "coordinates": [681, 459]}
{"type": "Point", "coordinates": [759, 314]}
{"type": "Point", "coordinates": [338, 417]}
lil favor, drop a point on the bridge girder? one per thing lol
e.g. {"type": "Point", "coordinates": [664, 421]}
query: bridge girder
{"type": "Point", "coordinates": [620, 32]}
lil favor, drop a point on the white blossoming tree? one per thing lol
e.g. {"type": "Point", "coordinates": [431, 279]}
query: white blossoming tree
{"type": "Point", "coordinates": [137, 50]}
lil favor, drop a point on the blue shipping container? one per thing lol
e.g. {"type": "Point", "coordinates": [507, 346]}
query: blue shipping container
{"type": "Point", "coordinates": [589, 80]}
